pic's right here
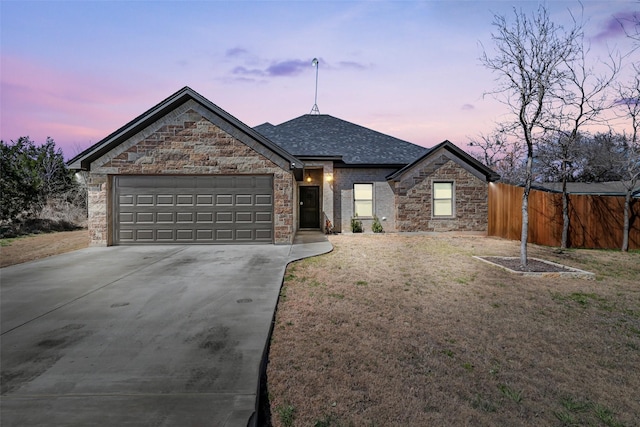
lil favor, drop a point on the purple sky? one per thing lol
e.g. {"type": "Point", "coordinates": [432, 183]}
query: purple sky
{"type": "Point", "coordinates": [76, 71]}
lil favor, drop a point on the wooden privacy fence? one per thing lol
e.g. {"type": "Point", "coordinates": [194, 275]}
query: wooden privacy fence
{"type": "Point", "coordinates": [594, 221]}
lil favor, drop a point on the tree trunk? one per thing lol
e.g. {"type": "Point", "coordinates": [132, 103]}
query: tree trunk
{"type": "Point", "coordinates": [525, 227]}
{"type": "Point", "coordinates": [565, 212]}
{"type": "Point", "coordinates": [625, 228]}
{"type": "Point", "coordinates": [525, 212]}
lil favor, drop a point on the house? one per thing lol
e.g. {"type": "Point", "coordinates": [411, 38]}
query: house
{"type": "Point", "coordinates": [188, 172]}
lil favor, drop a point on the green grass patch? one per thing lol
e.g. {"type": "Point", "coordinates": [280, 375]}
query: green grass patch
{"type": "Point", "coordinates": [576, 412]}
{"type": "Point", "coordinates": [483, 404]}
{"type": "Point", "coordinates": [448, 353]}
{"type": "Point", "coordinates": [286, 414]}
{"type": "Point", "coordinates": [509, 392]}
{"type": "Point", "coordinates": [6, 242]}
{"type": "Point", "coordinates": [327, 421]}
{"type": "Point", "coordinates": [584, 299]}
{"type": "Point", "coordinates": [283, 293]}
{"type": "Point", "coordinates": [315, 284]}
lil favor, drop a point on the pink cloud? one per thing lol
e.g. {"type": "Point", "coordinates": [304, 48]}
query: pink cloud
{"type": "Point", "coordinates": [75, 108]}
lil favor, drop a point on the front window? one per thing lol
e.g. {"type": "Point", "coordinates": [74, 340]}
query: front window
{"type": "Point", "coordinates": [363, 200]}
{"type": "Point", "coordinates": [443, 199]}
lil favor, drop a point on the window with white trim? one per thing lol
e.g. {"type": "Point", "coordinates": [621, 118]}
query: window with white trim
{"type": "Point", "coordinates": [363, 200]}
{"type": "Point", "coordinates": [443, 199]}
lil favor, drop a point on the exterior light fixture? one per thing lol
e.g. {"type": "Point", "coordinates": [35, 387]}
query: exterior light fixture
{"type": "Point", "coordinates": [329, 177]}
{"type": "Point", "coordinates": [308, 177]}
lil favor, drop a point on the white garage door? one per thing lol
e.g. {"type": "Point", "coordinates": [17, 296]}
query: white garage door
{"type": "Point", "coordinates": [223, 209]}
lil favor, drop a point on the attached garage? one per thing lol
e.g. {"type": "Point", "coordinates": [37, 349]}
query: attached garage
{"type": "Point", "coordinates": [193, 209]}
{"type": "Point", "coordinates": [187, 172]}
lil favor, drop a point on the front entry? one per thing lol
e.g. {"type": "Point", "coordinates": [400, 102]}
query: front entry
{"type": "Point", "coordinates": [310, 207]}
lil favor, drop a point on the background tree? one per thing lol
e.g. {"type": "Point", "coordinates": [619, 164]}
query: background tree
{"type": "Point", "coordinates": [629, 100]}
{"type": "Point", "coordinates": [599, 157]}
{"type": "Point", "coordinates": [19, 179]}
{"type": "Point", "coordinates": [31, 178]}
{"type": "Point", "coordinates": [583, 96]}
{"type": "Point", "coordinates": [529, 59]}
{"type": "Point", "coordinates": [502, 154]}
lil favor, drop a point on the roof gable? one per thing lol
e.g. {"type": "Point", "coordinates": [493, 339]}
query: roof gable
{"type": "Point", "coordinates": [456, 154]}
{"type": "Point", "coordinates": [322, 135]}
{"type": "Point", "coordinates": [212, 112]}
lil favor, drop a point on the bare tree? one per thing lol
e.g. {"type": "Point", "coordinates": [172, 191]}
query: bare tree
{"type": "Point", "coordinates": [583, 96]}
{"type": "Point", "coordinates": [530, 58]}
{"type": "Point", "coordinates": [629, 100]}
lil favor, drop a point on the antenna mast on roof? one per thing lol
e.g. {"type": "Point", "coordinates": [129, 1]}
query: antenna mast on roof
{"type": "Point", "coordinates": [314, 109]}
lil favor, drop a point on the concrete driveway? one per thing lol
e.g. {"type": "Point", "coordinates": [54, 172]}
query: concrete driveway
{"type": "Point", "coordinates": [156, 335]}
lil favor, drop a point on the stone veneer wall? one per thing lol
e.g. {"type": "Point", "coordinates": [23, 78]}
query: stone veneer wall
{"type": "Point", "coordinates": [414, 197]}
{"type": "Point", "coordinates": [189, 144]}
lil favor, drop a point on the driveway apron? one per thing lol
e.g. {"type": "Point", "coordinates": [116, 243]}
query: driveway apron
{"type": "Point", "coordinates": [144, 335]}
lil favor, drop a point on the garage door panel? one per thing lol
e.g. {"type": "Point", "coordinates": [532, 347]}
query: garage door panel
{"type": "Point", "coordinates": [224, 217]}
{"type": "Point", "coordinates": [244, 200]}
{"type": "Point", "coordinates": [264, 217]}
{"type": "Point", "coordinates": [244, 217]}
{"type": "Point", "coordinates": [126, 235]}
{"type": "Point", "coordinates": [144, 235]}
{"type": "Point", "coordinates": [264, 182]}
{"type": "Point", "coordinates": [184, 200]}
{"type": "Point", "coordinates": [204, 217]}
{"type": "Point", "coordinates": [126, 199]}
{"type": "Point", "coordinates": [204, 235]}
{"type": "Point", "coordinates": [165, 217]}
{"type": "Point", "coordinates": [183, 217]}
{"type": "Point", "coordinates": [193, 209]}
{"type": "Point", "coordinates": [224, 234]}
{"type": "Point", "coordinates": [164, 200]}
{"type": "Point", "coordinates": [144, 218]}
{"type": "Point", "coordinates": [264, 235]}
{"type": "Point", "coordinates": [126, 217]}
{"type": "Point", "coordinates": [224, 200]}
{"type": "Point", "coordinates": [204, 200]}
{"type": "Point", "coordinates": [165, 235]}
{"type": "Point", "coordinates": [144, 200]}
{"type": "Point", "coordinates": [264, 200]}
{"type": "Point", "coordinates": [184, 235]}
{"type": "Point", "coordinates": [244, 235]}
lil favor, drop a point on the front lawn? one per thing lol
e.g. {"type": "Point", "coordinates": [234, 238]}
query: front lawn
{"type": "Point", "coordinates": [393, 330]}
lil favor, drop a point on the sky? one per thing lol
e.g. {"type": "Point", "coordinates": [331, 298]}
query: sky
{"type": "Point", "coordinates": [76, 71]}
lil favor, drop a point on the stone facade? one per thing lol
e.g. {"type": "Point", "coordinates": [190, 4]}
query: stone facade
{"type": "Point", "coordinates": [414, 198]}
{"type": "Point", "coordinates": [186, 142]}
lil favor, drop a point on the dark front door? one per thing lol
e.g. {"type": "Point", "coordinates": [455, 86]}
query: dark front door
{"type": "Point", "coordinates": [309, 207]}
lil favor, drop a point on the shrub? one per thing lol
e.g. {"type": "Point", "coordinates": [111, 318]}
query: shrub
{"type": "Point", "coordinates": [356, 225]}
{"type": "Point", "coordinates": [376, 227]}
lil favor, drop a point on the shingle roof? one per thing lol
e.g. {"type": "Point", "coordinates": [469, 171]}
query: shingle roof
{"type": "Point", "coordinates": [323, 135]}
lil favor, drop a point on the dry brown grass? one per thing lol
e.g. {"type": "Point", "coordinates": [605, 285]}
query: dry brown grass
{"type": "Point", "coordinates": [29, 248]}
{"type": "Point", "coordinates": [393, 330]}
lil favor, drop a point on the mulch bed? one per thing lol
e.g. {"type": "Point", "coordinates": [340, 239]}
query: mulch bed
{"type": "Point", "coordinates": [533, 265]}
